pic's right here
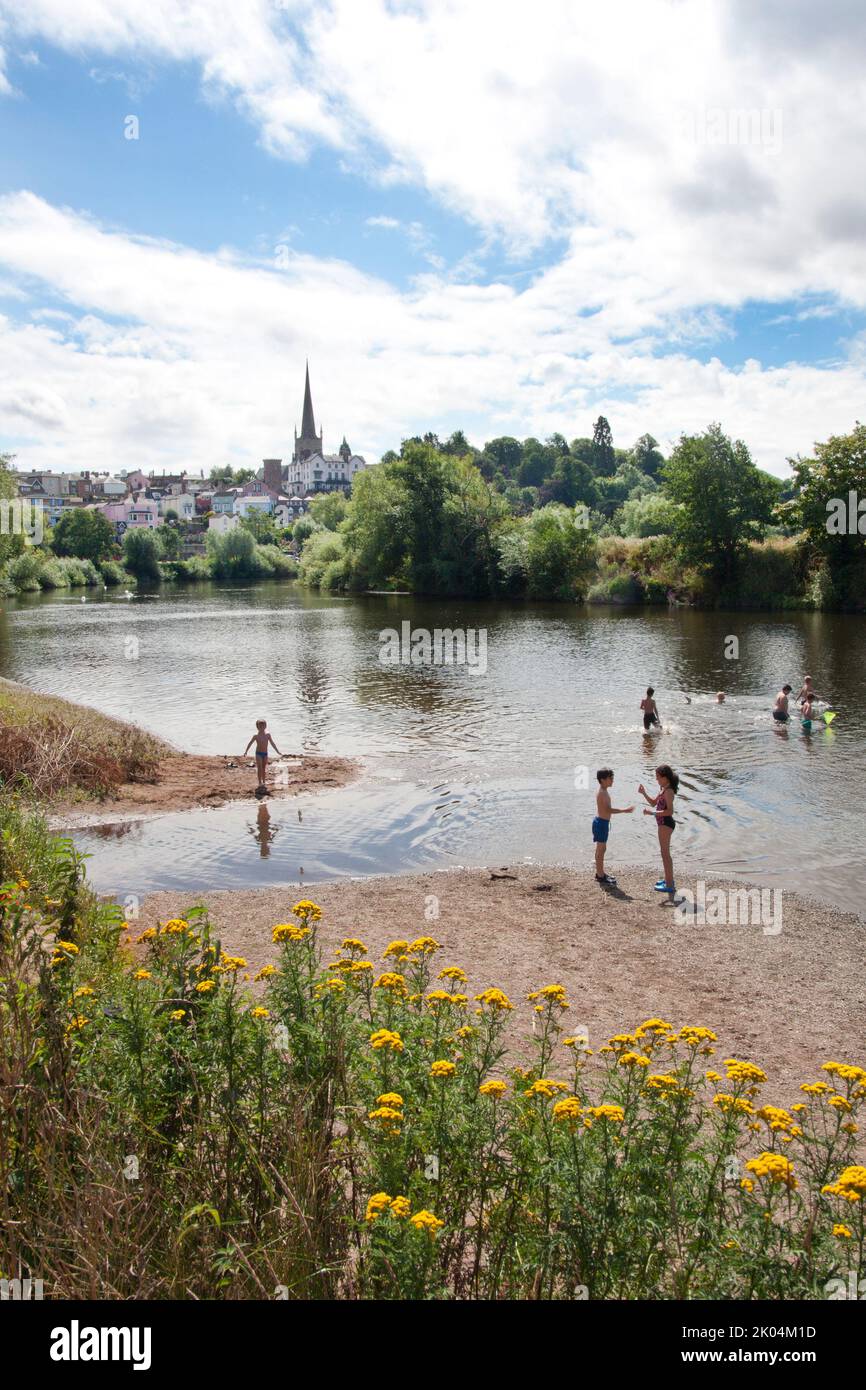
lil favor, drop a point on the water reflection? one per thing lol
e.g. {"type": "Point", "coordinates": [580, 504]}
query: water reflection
{"type": "Point", "coordinates": [463, 767]}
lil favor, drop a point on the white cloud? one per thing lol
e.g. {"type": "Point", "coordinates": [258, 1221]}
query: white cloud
{"type": "Point", "coordinates": [583, 139]}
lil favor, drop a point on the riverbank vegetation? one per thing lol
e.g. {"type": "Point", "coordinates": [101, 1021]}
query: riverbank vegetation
{"type": "Point", "coordinates": [82, 552]}
{"type": "Point", "coordinates": [51, 749]}
{"type": "Point", "coordinates": [346, 1127]}
{"type": "Point", "coordinates": [586, 520]}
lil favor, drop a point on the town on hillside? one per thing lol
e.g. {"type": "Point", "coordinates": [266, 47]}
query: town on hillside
{"type": "Point", "coordinates": [213, 502]}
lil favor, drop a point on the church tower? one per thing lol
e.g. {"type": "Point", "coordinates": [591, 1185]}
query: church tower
{"type": "Point", "coordinates": [307, 442]}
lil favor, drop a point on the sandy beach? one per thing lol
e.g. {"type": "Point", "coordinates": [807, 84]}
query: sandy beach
{"type": "Point", "coordinates": [788, 1001]}
{"type": "Point", "coordinates": [185, 781]}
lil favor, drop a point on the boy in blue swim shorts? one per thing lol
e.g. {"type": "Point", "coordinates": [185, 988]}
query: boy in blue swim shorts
{"type": "Point", "coordinates": [262, 739]}
{"type": "Point", "coordinates": [601, 823]}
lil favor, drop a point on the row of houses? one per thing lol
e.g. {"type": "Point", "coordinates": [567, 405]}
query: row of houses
{"type": "Point", "coordinates": [133, 499]}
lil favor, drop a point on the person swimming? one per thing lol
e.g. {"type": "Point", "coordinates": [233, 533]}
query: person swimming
{"type": "Point", "coordinates": [650, 710]}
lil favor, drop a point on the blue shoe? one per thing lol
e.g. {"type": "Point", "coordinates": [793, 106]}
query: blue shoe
{"type": "Point", "coordinates": [662, 887]}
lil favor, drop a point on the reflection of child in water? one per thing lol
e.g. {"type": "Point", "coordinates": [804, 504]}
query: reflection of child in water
{"type": "Point", "coordinates": [263, 835]}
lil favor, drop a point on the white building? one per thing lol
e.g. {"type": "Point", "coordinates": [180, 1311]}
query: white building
{"type": "Point", "coordinates": [311, 469]}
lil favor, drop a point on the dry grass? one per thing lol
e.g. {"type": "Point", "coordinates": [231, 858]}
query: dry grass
{"type": "Point", "coordinates": [55, 748]}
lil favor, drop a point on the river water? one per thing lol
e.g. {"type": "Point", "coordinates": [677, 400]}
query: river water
{"type": "Point", "coordinates": [464, 766]}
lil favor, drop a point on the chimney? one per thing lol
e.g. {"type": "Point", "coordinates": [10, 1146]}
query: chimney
{"type": "Point", "coordinates": [273, 474]}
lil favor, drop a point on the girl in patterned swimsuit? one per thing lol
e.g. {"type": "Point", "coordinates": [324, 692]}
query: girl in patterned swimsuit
{"type": "Point", "coordinates": [662, 808]}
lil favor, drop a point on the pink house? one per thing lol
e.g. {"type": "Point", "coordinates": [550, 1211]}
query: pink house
{"type": "Point", "coordinates": [127, 514]}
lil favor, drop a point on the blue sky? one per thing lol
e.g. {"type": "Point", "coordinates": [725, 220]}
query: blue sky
{"type": "Point", "coordinates": [455, 235]}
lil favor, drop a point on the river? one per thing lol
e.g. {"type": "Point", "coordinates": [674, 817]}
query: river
{"type": "Point", "coordinates": [464, 766]}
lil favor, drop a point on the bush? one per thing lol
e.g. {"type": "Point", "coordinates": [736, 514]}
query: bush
{"type": "Point", "coordinates": [113, 574]}
{"type": "Point", "coordinates": [283, 1138]}
{"type": "Point", "coordinates": [142, 552]}
{"type": "Point", "coordinates": [321, 550]}
{"type": "Point", "coordinates": [283, 566]}
{"type": "Point", "coordinates": [79, 573]}
{"type": "Point", "coordinates": [52, 575]}
{"type": "Point", "coordinates": [24, 571]}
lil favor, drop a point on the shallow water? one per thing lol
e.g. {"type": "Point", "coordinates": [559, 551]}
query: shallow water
{"type": "Point", "coordinates": [464, 767]}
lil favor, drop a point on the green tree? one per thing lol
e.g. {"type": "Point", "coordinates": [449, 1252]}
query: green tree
{"type": "Point", "coordinates": [651, 515]}
{"type": "Point", "coordinates": [726, 501]}
{"type": "Point", "coordinates": [647, 456]}
{"type": "Point", "coordinates": [830, 506]}
{"type": "Point", "coordinates": [142, 551]}
{"type": "Point", "coordinates": [559, 553]}
{"type": "Point", "coordinates": [603, 454]}
{"type": "Point", "coordinates": [260, 526]}
{"type": "Point", "coordinates": [329, 509]}
{"type": "Point", "coordinates": [84, 533]}
{"type": "Point", "coordinates": [10, 544]}
{"type": "Point", "coordinates": [234, 555]}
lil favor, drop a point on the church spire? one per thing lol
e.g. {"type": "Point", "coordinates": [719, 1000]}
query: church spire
{"type": "Point", "coordinates": [308, 424]}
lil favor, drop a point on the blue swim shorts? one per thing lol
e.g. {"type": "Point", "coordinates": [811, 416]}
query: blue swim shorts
{"type": "Point", "coordinates": [600, 830]}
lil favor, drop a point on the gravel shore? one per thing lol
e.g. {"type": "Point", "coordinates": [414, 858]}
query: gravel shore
{"type": "Point", "coordinates": [788, 1000]}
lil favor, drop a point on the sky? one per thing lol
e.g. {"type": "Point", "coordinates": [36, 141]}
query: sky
{"type": "Point", "coordinates": [471, 214]}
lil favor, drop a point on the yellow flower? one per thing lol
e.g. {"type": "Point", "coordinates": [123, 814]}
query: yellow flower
{"type": "Point", "coordinates": [231, 962]}
{"type": "Point", "coordinates": [453, 972]}
{"type": "Point", "coordinates": [400, 1207]}
{"type": "Point", "coordinates": [359, 967]}
{"type": "Point", "coordinates": [816, 1088]}
{"type": "Point", "coordinates": [397, 948]}
{"type": "Point", "coordinates": [613, 1113]}
{"type": "Point", "coordinates": [850, 1184]}
{"type": "Point", "coordinates": [378, 1203]}
{"type": "Point", "coordinates": [389, 1098]}
{"type": "Point", "coordinates": [778, 1119]}
{"type": "Point", "coordinates": [712, 1075]}
{"type": "Point", "coordinates": [632, 1059]}
{"type": "Point", "coordinates": [546, 1087]}
{"type": "Point", "coordinates": [389, 1117]}
{"type": "Point", "coordinates": [142, 975]}
{"type": "Point", "coordinates": [496, 1089]}
{"type": "Point", "coordinates": [205, 986]}
{"type": "Point", "coordinates": [266, 972]}
{"type": "Point", "coordinates": [842, 1232]}
{"type": "Point", "coordinates": [693, 1036]}
{"type": "Point", "coordinates": [351, 943]}
{"type": "Point", "coordinates": [76, 1023]}
{"type": "Point", "coordinates": [68, 946]}
{"type": "Point", "coordinates": [775, 1167]}
{"type": "Point", "coordinates": [747, 1184]}
{"type": "Point", "coordinates": [330, 986]}
{"type": "Point", "coordinates": [744, 1071]}
{"type": "Point", "coordinates": [426, 1221]}
{"type": "Point", "coordinates": [551, 994]}
{"type": "Point", "coordinates": [288, 931]}
{"type": "Point", "coordinates": [656, 1025]}
{"type": "Point", "coordinates": [147, 935]}
{"type": "Point", "coordinates": [260, 1013]}
{"type": "Point", "coordinates": [394, 983]}
{"type": "Point", "coordinates": [178, 1014]}
{"type": "Point", "coordinates": [307, 911]}
{"type": "Point", "coordinates": [662, 1081]}
{"type": "Point", "coordinates": [424, 946]}
{"type": "Point", "coordinates": [845, 1071]}
{"type": "Point", "coordinates": [175, 926]}
{"type": "Point", "coordinates": [442, 1069]}
{"type": "Point", "coordinates": [83, 991]}
{"type": "Point", "coordinates": [383, 1037]}
{"type": "Point", "coordinates": [494, 999]}
{"type": "Point", "coordinates": [839, 1102]}
{"type": "Point", "coordinates": [569, 1110]}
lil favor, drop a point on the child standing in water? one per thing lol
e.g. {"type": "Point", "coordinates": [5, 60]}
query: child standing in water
{"type": "Point", "coordinates": [601, 824]}
{"type": "Point", "coordinates": [663, 810]}
{"type": "Point", "coordinates": [261, 738]}
{"type": "Point", "coordinates": [650, 710]}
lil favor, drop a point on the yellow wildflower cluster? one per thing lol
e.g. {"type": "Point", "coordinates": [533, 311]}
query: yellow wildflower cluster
{"type": "Point", "coordinates": [632, 1059]}
{"type": "Point", "coordinates": [175, 926]}
{"type": "Point", "coordinates": [568, 1111]}
{"type": "Point", "coordinates": [333, 985]}
{"type": "Point", "coordinates": [354, 946]}
{"type": "Point", "coordinates": [495, 1000]}
{"type": "Point", "coordinates": [496, 1089]}
{"type": "Point", "coordinates": [266, 972]}
{"type": "Point", "coordinates": [385, 1038]}
{"type": "Point", "coordinates": [205, 986]}
{"type": "Point", "coordinates": [307, 911]}
{"type": "Point", "coordinates": [850, 1184]}
{"type": "Point", "coordinates": [259, 1012]}
{"type": "Point", "coordinates": [453, 973]}
{"type": "Point", "coordinates": [554, 995]}
{"type": "Point", "coordinates": [738, 1103]}
{"type": "Point", "coordinates": [388, 1117]}
{"type": "Point", "coordinates": [392, 982]}
{"type": "Point", "coordinates": [546, 1087]}
{"type": "Point", "coordinates": [229, 964]}
{"type": "Point", "coordinates": [288, 931]}
{"type": "Point", "coordinates": [424, 946]}
{"type": "Point", "coordinates": [147, 935]}
{"type": "Point", "coordinates": [442, 1069]}
{"type": "Point", "coordinates": [745, 1072]}
{"type": "Point", "coordinates": [776, 1167]}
